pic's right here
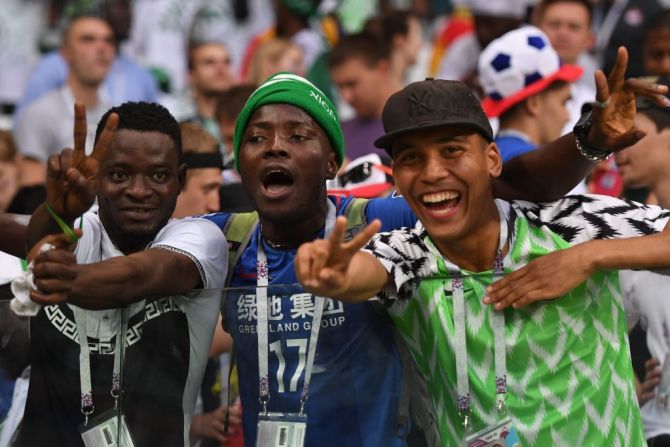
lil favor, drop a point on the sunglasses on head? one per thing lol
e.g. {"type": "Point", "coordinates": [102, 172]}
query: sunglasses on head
{"type": "Point", "coordinates": [363, 172]}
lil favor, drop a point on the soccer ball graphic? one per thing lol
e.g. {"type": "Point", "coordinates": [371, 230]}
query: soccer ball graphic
{"type": "Point", "coordinates": [515, 61]}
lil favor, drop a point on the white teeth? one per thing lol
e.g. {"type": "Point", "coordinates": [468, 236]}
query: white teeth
{"type": "Point", "coordinates": [440, 196]}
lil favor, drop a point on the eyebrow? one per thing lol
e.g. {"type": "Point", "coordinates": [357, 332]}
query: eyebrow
{"type": "Point", "coordinates": [268, 124]}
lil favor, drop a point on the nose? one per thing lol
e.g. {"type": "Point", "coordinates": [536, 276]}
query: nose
{"type": "Point", "coordinates": [434, 169]}
{"type": "Point", "coordinates": [276, 148]}
{"type": "Point", "coordinates": [213, 203]}
{"type": "Point", "coordinates": [138, 188]}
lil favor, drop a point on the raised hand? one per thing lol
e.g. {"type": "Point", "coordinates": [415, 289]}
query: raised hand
{"type": "Point", "coordinates": [54, 270]}
{"type": "Point", "coordinates": [71, 174]}
{"type": "Point", "coordinates": [322, 266]}
{"type": "Point", "coordinates": [544, 278]}
{"type": "Point", "coordinates": [646, 390]}
{"type": "Point", "coordinates": [614, 111]}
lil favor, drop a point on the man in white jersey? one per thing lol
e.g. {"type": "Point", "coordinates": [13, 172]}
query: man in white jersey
{"type": "Point", "coordinates": [128, 289]}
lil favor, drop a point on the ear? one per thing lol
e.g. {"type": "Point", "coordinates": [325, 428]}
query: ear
{"type": "Point", "coordinates": [493, 159]}
{"type": "Point", "coordinates": [532, 105]}
{"type": "Point", "coordinates": [181, 176]}
{"type": "Point", "coordinates": [331, 170]}
{"type": "Point", "coordinates": [383, 66]}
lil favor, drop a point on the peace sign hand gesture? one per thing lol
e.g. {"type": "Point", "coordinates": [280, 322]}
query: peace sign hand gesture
{"type": "Point", "coordinates": [71, 174]}
{"type": "Point", "coordinates": [614, 110]}
{"type": "Point", "coordinates": [324, 266]}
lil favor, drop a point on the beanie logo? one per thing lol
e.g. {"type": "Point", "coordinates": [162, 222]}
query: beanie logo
{"type": "Point", "coordinates": [323, 103]}
{"type": "Point", "coordinates": [420, 103]}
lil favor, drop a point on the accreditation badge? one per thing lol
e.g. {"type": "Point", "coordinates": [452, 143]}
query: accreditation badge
{"type": "Point", "coordinates": [281, 430]}
{"type": "Point", "coordinates": [104, 431]}
{"type": "Point", "coordinates": [502, 434]}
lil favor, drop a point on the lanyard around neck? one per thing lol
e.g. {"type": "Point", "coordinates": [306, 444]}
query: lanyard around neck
{"type": "Point", "coordinates": [87, 404]}
{"type": "Point", "coordinates": [464, 400]}
{"type": "Point", "coordinates": [262, 322]}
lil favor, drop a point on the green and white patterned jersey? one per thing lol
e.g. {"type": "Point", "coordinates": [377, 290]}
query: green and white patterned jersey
{"type": "Point", "coordinates": [569, 375]}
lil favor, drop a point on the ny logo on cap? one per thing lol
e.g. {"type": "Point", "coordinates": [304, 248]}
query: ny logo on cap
{"type": "Point", "coordinates": [420, 103]}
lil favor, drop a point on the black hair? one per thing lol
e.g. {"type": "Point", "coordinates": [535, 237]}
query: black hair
{"type": "Point", "coordinates": [230, 102]}
{"type": "Point", "coordinates": [660, 21]}
{"type": "Point", "coordinates": [144, 117]}
{"type": "Point", "coordinates": [396, 23]}
{"type": "Point", "coordinates": [366, 46]}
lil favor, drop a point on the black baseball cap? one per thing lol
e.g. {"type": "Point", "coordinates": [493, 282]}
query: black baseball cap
{"type": "Point", "coordinates": [643, 103]}
{"type": "Point", "coordinates": [432, 103]}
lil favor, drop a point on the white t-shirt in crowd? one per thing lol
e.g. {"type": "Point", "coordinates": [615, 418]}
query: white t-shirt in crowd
{"type": "Point", "coordinates": [646, 298]}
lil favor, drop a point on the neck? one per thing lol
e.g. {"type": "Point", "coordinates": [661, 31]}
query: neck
{"type": "Point", "coordinates": [525, 125]}
{"type": "Point", "coordinates": [206, 105]}
{"type": "Point", "coordinates": [83, 92]}
{"type": "Point", "coordinates": [476, 251]}
{"type": "Point", "coordinates": [661, 189]}
{"type": "Point", "coordinates": [393, 85]}
{"type": "Point", "coordinates": [294, 231]}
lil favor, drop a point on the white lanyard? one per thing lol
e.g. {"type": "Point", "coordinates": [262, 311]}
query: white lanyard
{"type": "Point", "coordinates": [87, 405]}
{"type": "Point", "coordinates": [464, 400]}
{"type": "Point", "coordinates": [262, 322]}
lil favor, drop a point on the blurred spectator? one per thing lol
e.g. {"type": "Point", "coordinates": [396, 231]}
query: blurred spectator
{"type": "Point", "coordinates": [292, 22]}
{"type": "Point", "coordinates": [158, 38]}
{"type": "Point", "coordinates": [622, 23]}
{"type": "Point", "coordinates": [402, 30]}
{"type": "Point", "coordinates": [209, 75]}
{"type": "Point", "coordinates": [647, 165]}
{"type": "Point", "coordinates": [200, 153]}
{"type": "Point", "coordinates": [126, 80]}
{"type": "Point", "coordinates": [360, 66]}
{"type": "Point", "coordinates": [274, 56]}
{"type": "Point", "coordinates": [234, 198]}
{"type": "Point", "coordinates": [233, 23]}
{"type": "Point", "coordinates": [9, 170]}
{"type": "Point", "coordinates": [527, 87]}
{"type": "Point", "coordinates": [491, 20]}
{"type": "Point", "coordinates": [45, 126]}
{"type": "Point", "coordinates": [657, 46]}
{"type": "Point", "coordinates": [21, 22]}
{"type": "Point", "coordinates": [230, 104]}
{"type": "Point", "coordinates": [567, 23]}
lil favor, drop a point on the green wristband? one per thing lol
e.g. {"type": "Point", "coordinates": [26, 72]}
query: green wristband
{"type": "Point", "coordinates": [67, 230]}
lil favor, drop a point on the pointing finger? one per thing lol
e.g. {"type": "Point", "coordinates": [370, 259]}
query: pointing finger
{"type": "Point", "coordinates": [616, 77]}
{"type": "Point", "coordinates": [364, 236]}
{"type": "Point", "coordinates": [79, 132]}
{"type": "Point", "coordinates": [106, 136]}
{"type": "Point", "coordinates": [337, 235]}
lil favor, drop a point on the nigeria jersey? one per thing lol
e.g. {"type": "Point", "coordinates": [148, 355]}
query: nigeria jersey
{"type": "Point", "coordinates": [355, 386]}
{"type": "Point", "coordinates": [167, 343]}
{"type": "Point", "coordinates": [569, 374]}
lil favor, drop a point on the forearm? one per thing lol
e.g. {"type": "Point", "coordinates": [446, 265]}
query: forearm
{"type": "Point", "coordinates": [14, 235]}
{"type": "Point", "coordinates": [366, 277]}
{"type": "Point", "coordinates": [645, 252]}
{"type": "Point", "coordinates": [42, 224]}
{"type": "Point", "coordinates": [119, 281]}
{"type": "Point", "coordinates": [544, 174]}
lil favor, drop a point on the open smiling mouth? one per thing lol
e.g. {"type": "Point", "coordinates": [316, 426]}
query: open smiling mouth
{"type": "Point", "coordinates": [277, 181]}
{"type": "Point", "coordinates": [441, 203]}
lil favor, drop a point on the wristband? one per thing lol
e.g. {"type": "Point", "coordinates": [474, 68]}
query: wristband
{"type": "Point", "coordinates": [581, 131]}
{"type": "Point", "coordinates": [67, 230]}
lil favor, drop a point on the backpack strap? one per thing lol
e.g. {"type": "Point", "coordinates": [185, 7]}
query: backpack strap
{"type": "Point", "coordinates": [238, 231]}
{"type": "Point", "coordinates": [356, 220]}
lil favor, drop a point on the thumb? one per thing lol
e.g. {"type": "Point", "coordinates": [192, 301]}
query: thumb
{"type": "Point", "coordinates": [628, 139]}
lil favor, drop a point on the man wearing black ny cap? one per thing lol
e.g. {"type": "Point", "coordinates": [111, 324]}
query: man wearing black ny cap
{"type": "Point", "coordinates": [519, 376]}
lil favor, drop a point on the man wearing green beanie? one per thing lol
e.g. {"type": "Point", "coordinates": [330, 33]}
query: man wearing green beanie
{"type": "Point", "coordinates": [288, 143]}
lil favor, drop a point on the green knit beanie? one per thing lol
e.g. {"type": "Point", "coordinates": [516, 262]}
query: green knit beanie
{"type": "Point", "coordinates": [287, 88]}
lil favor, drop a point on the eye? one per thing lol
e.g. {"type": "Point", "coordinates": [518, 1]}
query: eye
{"type": "Point", "coordinates": [159, 177]}
{"type": "Point", "coordinates": [299, 137]}
{"type": "Point", "coordinates": [118, 176]}
{"type": "Point", "coordinates": [453, 150]}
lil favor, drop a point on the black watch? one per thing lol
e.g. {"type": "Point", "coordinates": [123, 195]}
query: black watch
{"type": "Point", "coordinates": [581, 132]}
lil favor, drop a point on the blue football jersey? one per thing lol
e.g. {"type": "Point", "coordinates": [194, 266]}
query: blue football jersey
{"type": "Point", "coordinates": [356, 381]}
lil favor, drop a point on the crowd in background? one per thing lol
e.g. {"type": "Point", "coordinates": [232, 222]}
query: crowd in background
{"type": "Point", "coordinates": [531, 62]}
